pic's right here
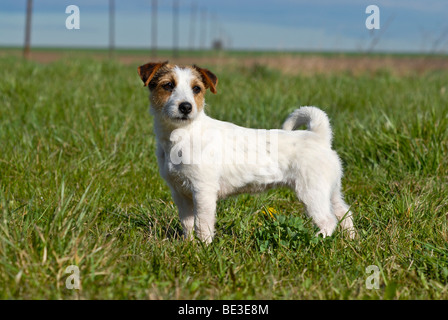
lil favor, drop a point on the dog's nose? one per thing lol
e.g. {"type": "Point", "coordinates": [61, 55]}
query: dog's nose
{"type": "Point", "coordinates": [185, 107]}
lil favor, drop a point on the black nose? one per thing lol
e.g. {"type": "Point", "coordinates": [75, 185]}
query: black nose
{"type": "Point", "coordinates": [185, 107]}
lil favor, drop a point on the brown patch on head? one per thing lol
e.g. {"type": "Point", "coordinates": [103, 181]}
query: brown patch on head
{"type": "Point", "coordinates": [155, 76]}
{"type": "Point", "coordinates": [158, 86]}
{"type": "Point", "coordinates": [209, 79]}
{"type": "Point", "coordinates": [148, 71]}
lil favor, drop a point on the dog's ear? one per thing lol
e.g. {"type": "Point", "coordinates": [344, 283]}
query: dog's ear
{"type": "Point", "coordinates": [209, 78]}
{"type": "Point", "coordinates": [148, 71]}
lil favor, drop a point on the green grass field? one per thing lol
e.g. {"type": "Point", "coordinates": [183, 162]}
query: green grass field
{"type": "Point", "coordinates": [79, 185]}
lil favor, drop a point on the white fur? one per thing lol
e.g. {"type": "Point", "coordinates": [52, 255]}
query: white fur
{"type": "Point", "coordinates": [301, 160]}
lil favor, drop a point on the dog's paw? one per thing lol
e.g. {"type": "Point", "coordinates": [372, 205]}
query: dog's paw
{"type": "Point", "coordinates": [351, 233]}
{"type": "Point", "coordinates": [324, 234]}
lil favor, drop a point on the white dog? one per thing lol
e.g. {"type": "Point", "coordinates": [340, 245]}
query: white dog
{"type": "Point", "coordinates": [203, 159]}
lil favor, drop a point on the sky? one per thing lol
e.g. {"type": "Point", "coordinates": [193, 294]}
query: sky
{"type": "Point", "coordinates": [283, 25]}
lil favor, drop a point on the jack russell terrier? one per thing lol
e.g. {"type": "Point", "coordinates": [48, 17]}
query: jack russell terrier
{"type": "Point", "coordinates": [203, 159]}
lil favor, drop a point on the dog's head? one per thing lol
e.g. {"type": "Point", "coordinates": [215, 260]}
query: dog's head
{"type": "Point", "coordinates": [177, 93]}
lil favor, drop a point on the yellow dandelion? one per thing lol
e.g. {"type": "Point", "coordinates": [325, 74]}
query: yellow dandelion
{"type": "Point", "coordinates": [270, 211]}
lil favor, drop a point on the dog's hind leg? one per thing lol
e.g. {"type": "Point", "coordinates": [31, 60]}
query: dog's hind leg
{"type": "Point", "coordinates": [342, 212]}
{"type": "Point", "coordinates": [318, 207]}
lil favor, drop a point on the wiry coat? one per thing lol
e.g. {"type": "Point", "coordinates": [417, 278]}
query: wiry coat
{"type": "Point", "coordinates": [204, 159]}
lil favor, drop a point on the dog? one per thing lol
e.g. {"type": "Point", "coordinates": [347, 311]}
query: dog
{"type": "Point", "coordinates": [203, 159]}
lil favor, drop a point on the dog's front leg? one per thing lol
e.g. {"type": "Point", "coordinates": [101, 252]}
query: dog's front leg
{"type": "Point", "coordinates": [186, 212]}
{"type": "Point", "coordinates": [204, 215]}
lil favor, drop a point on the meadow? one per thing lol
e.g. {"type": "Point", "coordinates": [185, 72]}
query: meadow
{"type": "Point", "coordinates": [79, 185]}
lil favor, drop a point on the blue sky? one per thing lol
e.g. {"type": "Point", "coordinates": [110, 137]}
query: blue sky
{"type": "Point", "coordinates": [336, 25]}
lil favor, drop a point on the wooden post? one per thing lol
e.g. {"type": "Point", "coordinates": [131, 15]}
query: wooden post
{"type": "Point", "coordinates": [192, 25]}
{"type": "Point", "coordinates": [154, 29]}
{"type": "Point", "coordinates": [29, 11]}
{"type": "Point", "coordinates": [175, 28]}
{"type": "Point", "coordinates": [111, 27]}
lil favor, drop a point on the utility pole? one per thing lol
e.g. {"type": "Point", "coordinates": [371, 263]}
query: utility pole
{"type": "Point", "coordinates": [213, 27]}
{"type": "Point", "coordinates": [29, 11]}
{"type": "Point", "coordinates": [175, 28]}
{"type": "Point", "coordinates": [194, 9]}
{"type": "Point", "coordinates": [154, 29]}
{"type": "Point", "coordinates": [203, 28]}
{"type": "Point", "coordinates": [111, 27]}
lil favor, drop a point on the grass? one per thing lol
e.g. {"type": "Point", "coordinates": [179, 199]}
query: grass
{"type": "Point", "coordinates": [79, 185]}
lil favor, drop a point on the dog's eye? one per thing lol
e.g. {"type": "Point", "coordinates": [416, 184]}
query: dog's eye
{"type": "Point", "coordinates": [196, 89]}
{"type": "Point", "coordinates": [168, 86]}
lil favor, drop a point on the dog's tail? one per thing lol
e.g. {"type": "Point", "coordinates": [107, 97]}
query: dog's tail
{"type": "Point", "coordinates": [315, 119]}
